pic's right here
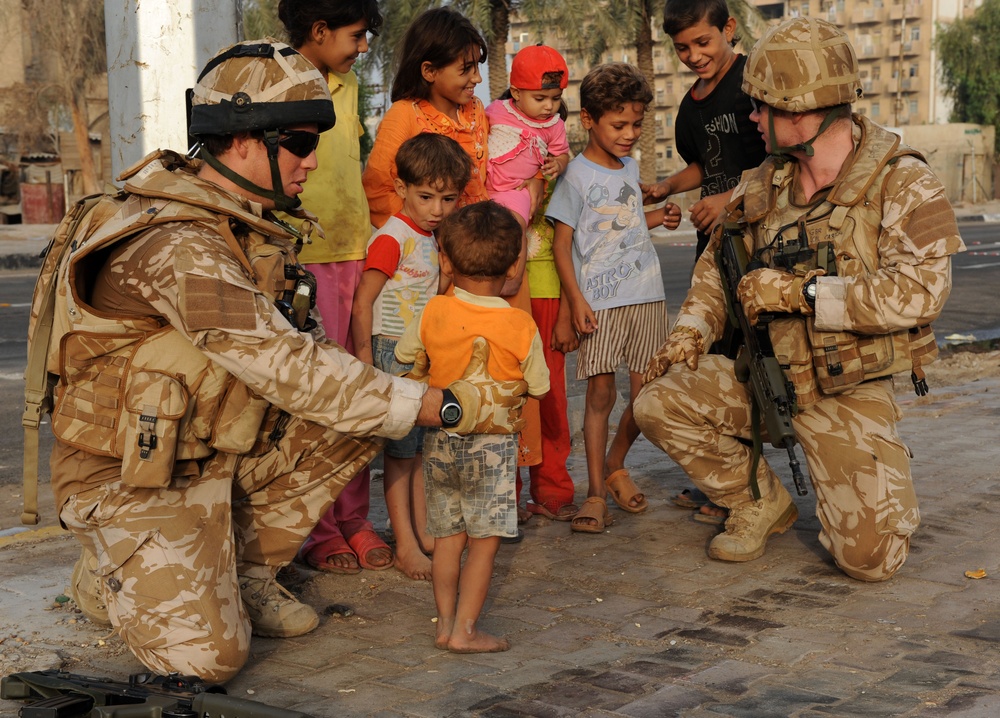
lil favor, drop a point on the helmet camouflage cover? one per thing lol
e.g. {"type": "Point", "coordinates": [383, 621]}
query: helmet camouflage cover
{"type": "Point", "coordinates": [802, 64]}
{"type": "Point", "coordinates": [259, 85]}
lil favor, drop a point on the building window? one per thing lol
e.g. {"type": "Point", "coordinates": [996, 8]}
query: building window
{"type": "Point", "coordinates": [670, 152]}
{"type": "Point", "coordinates": [913, 109]}
{"type": "Point", "coordinates": [914, 33]}
{"type": "Point", "coordinates": [876, 109]}
{"type": "Point", "coordinates": [670, 119]}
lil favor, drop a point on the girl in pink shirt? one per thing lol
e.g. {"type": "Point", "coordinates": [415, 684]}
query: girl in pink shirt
{"type": "Point", "coordinates": [527, 135]}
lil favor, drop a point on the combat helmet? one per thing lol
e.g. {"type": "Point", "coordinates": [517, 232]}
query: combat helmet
{"type": "Point", "coordinates": [259, 86]}
{"type": "Point", "coordinates": [799, 65]}
{"type": "Point", "coordinates": [802, 64]}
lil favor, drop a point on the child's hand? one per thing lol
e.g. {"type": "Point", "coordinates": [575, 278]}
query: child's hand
{"type": "Point", "coordinates": [536, 190]}
{"type": "Point", "coordinates": [554, 165]}
{"type": "Point", "coordinates": [564, 338]}
{"type": "Point", "coordinates": [706, 211]}
{"type": "Point", "coordinates": [653, 193]}
{"type": "Point", "coordinates": [584, 319]}
{"type": "Point", "coordinates": [671, 216]}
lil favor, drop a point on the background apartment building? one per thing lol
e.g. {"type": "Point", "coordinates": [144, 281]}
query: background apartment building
{"type": "Point", "coordinates": [894, 40]}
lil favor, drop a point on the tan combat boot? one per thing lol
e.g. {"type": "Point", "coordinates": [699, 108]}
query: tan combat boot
{"type": "Point", "coordinates": [749, 526]}
{"type": "Point", "coordinates": [85, 589]}
{"type": "Point", "coordinates": [274, 612]}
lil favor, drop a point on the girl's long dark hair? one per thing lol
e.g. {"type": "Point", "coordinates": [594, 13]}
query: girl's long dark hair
{"type": "Point", "coordinates": [438, 36]}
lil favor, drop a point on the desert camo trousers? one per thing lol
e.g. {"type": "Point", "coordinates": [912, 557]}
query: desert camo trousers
{"type": "Point", "coordinates": [169, 558]}
{"type": "Point", "coordinates": [859, 467]}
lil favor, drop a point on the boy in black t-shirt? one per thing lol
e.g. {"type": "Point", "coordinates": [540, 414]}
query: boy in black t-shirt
{"type": "Point", "coordinates": [716, 138]}
{"type": "Point", "coordinates": [713, 131]}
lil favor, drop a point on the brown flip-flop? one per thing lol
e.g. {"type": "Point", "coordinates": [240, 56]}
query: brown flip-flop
{"type": "Point", "coordinates": [566, 512]}
{"type": "Point", "coordinates": [596, 509]}
{"type": "Point", "coordinates": [622, 489]}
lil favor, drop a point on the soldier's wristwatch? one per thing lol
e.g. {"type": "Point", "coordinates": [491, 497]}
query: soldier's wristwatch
{"type": "Point", "coordinates": [451, 410]}
{"type": "Point", "coordinates": [809, 292]}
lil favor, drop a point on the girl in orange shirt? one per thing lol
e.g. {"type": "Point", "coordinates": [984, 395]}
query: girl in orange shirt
{"type": "Point", "coordinates": [433, 91]}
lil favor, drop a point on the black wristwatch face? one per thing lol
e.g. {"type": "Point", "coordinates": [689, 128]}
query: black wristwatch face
{"type": "Point", "coordinates": [810, 292]}
{"type": "Point", "coordinates": [451, 410]}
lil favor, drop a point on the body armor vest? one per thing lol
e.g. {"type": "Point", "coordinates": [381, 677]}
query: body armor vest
{"type": "Point", "coordinates": [132, 387]}
{"type": "Point", "coordinates": [838, 235]}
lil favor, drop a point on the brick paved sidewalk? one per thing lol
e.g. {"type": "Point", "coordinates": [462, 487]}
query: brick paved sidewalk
{"type": "Point", "coordinates": [634, 622]}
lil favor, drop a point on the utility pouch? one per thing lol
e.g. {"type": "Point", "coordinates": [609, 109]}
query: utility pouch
{"type": "Point", "coordinates": [155, 403]}
{"type": "Point", "coordinates": [88, 409]}
{"type": "Point", "coordinates": [836, 358]}
{"type": "Point", "coordinates": [239, 420]}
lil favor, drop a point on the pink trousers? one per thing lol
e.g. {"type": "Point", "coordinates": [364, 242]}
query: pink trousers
{"type": "Point", "coordinates": [336, 282]}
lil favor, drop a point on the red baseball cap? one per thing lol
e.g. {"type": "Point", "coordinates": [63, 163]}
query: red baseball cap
{"type": "Point", "coordinates": [530, 65]}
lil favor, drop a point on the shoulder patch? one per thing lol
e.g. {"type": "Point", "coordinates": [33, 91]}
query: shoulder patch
{"type": "Point", "coordinates": [212, 304]}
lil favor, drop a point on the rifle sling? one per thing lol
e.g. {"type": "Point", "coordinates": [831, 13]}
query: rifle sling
{"type": "Point", "coordinates": [758, 448]}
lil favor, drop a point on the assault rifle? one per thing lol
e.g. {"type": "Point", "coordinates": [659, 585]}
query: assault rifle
{"type": "Point", "coordinates": [56, 694]}
{"type": "Point", "coordinates": [773, 395]}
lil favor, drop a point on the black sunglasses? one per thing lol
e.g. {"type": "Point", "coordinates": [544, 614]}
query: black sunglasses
{"type": "Point", "coordinates": [299, 142]}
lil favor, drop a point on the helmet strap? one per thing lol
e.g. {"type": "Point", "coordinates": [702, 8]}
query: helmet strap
{"type": "Point", "coordinates": [282, 202]}
{"type": "Point", "coordinates": [783, 154]}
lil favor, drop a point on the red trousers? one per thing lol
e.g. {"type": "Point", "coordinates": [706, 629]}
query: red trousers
{"type": "Point", "coordinates": [551, 483]}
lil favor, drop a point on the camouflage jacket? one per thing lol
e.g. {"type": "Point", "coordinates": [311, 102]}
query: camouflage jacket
{"type": "Point", "coordinates": [167, 341]}
{"type": "Point", "coordinates": [889, 232]}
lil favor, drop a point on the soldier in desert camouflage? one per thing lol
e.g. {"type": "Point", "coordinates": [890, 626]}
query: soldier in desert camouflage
{"type": "Point", "coordinates": [853, 235]}
{"type": "Point", "coordinates": [203, 425]}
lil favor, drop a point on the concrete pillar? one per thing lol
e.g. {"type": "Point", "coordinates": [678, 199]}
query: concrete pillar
{"type": "Point", "coordinates": [155, 51]}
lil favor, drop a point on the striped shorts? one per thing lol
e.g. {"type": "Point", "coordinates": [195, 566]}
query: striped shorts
{"type": "Point", "coordinates": [631, 334]}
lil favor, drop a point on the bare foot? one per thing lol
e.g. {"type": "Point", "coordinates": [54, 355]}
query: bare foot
{"type": "Point", "coordinates": [713, 510]}
{"type": "Point", "coordinates": [426, 542]}
{"type": "Point", "coordinates": [444, 629]}
{"type": "Point", "coordinates": [414, 564]}
{"type": "Point", "coordinates": [477, 642]}
{"type": "Point", "coordinates": [343, 562]}
{"type": "Point", "coordinates": [379, 557]}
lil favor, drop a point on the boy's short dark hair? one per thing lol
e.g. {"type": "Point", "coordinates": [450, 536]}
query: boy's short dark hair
{"type": "Point", "coordinates": [433, 159]}
{"type": "Point", "coordinates": [679, 15]}
{"type": "Point", "coordinates": [299, 16]}
{"type": "Point", "coordinates": [609, 87]}
{"type": "Point", "coordinates": [482, 240]}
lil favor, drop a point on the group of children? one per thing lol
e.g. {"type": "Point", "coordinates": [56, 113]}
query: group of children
{"type": "Point", "coordinates": [465, 203]}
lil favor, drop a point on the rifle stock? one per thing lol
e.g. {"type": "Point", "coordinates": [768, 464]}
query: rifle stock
{"type": "Point", "coordinates": [773, 394]}
{"type": "Point", "coordinates": [57, 694]}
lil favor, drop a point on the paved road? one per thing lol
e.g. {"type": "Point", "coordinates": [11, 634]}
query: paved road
{"type": "Point", "coordinates": [975, 276]}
